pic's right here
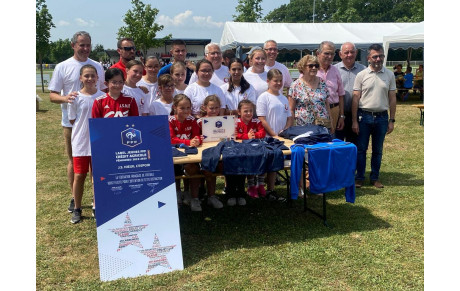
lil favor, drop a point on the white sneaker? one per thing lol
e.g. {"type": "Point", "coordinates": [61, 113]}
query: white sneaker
{"type": "Point", "coordinates": [241, 201]}
{"type": "Point", "coordinates": [215, 202]}
{"type": "Point", "coordinates": [195, 204]}
{"type": "Point", "coordinates": [231, 202]}
{"type": "Point", "coordinates": [186, 197]}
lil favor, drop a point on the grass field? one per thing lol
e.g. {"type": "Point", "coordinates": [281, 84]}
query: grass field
{"type": "Point", "coordinates": [377, 243]}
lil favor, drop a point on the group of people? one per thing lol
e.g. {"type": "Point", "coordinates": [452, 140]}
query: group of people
{"type": "Point", "coordinates": [406, 81]}
{"type": "Point", "coordinates": [357, 102]}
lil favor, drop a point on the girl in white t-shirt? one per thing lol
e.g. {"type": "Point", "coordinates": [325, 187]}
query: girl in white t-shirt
{"type": "Point", "coordinates": [134, 70]}
{"type": "Point", "coordinates": [202, 88]}
{"type": "Point", "coordinates": [79, 112]}
{"type": "Point", "coordinates": [163, 105]}
{"type": "Point", "coordinates": [150, 79]}
{"type": "Point", "coordinates": [237, 88]}
{"type": "Point", "coordinates": [178, 72]}
{"type": "Point", "coordinates": [274, 113]}
{"type": "Point", "coordinates": [256, 75]}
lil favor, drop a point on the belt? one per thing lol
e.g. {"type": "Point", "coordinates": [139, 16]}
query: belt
{"type": "Point", "coordinates": [374, 113]}
{"type": "Point", "coordinates": [334, 105]}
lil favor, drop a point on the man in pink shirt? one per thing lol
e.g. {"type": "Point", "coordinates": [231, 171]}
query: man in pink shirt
{"type": "Point", "coordinates": [331, 75]}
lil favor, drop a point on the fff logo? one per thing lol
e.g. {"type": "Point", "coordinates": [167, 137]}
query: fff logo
{"type": "Point", "coordinates": [131, 137]}
{"type": "Point", "coordinates": [218, 124]}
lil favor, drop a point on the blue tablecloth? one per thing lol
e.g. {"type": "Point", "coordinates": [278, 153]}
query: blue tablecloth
{"type": "Point", "coordinates": [331, 167]}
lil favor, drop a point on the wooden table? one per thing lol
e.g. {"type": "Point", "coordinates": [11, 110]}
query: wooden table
{"type": "Point", "coordinates": [422, 113]}
{"type": "Point", "coordinates": [197, 158]}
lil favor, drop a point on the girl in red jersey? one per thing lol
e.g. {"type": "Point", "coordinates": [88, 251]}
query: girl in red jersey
{"type": "Point", "coordinates": [211, 107]}
{"type": "Point", "coordinates": [114, 103]}
{"type": "Point", "coordinates": [184, 130]}
{"type": "Point", "coordinates": [248, 127]}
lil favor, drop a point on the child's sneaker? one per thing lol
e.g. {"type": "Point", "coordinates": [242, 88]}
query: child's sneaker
{"type": "Point", "coordinates": [195, 204]}
{"type": "Point", "coordinates": [187, 197]}
{"type": "Point", "coordinates": [71, 206]}
{"type": "Point", "coordinates": [252, 192]}
{"type": "Point", "coordinates": [215, 202]}
{"type": "Point", "coordinates": [76, 216]}
{"type": "Point", "coordinates": [241, 201]}
{"type": "Point", "coordinates": [261, 190]}
{"type": "Point", "coordinates": [231, 201]}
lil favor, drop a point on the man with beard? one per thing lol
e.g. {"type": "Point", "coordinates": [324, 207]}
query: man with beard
{"type": "Point", "coordinates": [127, 52]}
{"type": "Point", "coordinates": [374, 93]}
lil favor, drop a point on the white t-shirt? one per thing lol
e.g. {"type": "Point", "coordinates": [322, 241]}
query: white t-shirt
{"type": "Point", "coordinates": [198, 93]}
{"type": "Point", "coordinates": [66, 79]}
{"type": "Point", "coordinates": [153, 91]}
{"type": "Point", "coordinates": [275, 109]}
{"type": "Point", "coordinates": [80, 111]}
{"type": "Point", "coordinates": [177, 91]}
{"type": "Point", "coordinates": [258, 81]}
{"type": "Point", "coordinates": [234, 97]}
{"type": "Point", "coordinates": [287, 80]}
{"type": "Point", "coordinates": [159, 108]}
{"type": "Point", "coordinates": [140, 97]}
{"type": "Point", "coordinates": [219, 77]}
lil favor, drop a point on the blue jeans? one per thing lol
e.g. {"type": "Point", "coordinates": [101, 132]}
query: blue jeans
{"type": "Point", "coordinates": [375, 125]}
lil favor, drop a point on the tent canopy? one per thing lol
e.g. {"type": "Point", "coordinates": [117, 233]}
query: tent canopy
{"type": "Point", "coordinates": [306, 35]}
{"type": "Point", "coordinates": [412, 36]}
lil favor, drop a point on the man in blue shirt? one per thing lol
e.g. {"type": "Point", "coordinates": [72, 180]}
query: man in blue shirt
{"type": "Point", "coordinates": [179, 52]}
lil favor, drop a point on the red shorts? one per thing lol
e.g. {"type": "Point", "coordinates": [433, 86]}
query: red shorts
{"type": "Point", "coordinates": [81, 165]}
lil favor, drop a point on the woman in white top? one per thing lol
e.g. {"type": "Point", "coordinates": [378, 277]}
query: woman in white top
{"type": "Point", "coordinates": [134, 70]}
{"type": "Point", "coordinates": [150, 79]}
{"type": "Point", "coordinates": [237, 88]}
{"type": "Point", "coordinates": [256, 75]}
{"type": "Point", "coordinates": [202, 88]}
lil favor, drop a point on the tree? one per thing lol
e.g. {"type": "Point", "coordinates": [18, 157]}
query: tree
{"type": "Point", "coordinates": [141, 26]}
{"type": "Point", "coordinates": [60, 50]}
{"type": "Point", "coordinates": [43, 22]}
{"type": "Point", "coordinates": [98, 53]}
{"type": "Point", "coordinates": [348, 11]}
{"type": "Point", "coordinates": [249, 11]}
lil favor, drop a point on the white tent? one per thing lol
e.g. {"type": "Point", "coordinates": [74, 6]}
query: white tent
{"type": "Point", "coordinates": [306, 35]}
{"type": "Point", "coordinates": [412, 36]}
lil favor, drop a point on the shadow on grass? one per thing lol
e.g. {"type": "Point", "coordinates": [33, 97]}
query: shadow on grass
{"type": "Point", "coordinates": [41, 110]}
{"type": "Point", "coordinates": [263, 223]}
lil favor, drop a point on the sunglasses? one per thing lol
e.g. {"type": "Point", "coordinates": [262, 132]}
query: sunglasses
{"type": "Point", "coordinates": [129, 48]}
{"type": "Point", "coordinates": [311, 66]}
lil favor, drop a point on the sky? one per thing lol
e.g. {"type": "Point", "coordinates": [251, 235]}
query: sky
{"type": "Point", "coordinates": [181, 18]}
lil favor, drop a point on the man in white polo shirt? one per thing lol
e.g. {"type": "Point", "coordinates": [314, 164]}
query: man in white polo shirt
{"type": "Point", "coordinates": [64, 85]}
{"type": "Point", "coordinates": [373, 95]}
{"type": "Point", "coordinates": [271, 49]}
{"type": "Point", "coordinates": [221, 74]}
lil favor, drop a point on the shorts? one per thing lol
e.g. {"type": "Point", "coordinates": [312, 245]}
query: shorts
{"type": "Point", "coordinates": [178, 170]}
{"type": "Point", "coordinates": [81, 165]}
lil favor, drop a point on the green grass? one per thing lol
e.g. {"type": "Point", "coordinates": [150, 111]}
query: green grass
{"type": "Point", "coordinates": [374, 244]}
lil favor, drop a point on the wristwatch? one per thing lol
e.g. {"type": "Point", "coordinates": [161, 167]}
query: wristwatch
{"type": "Point", "coordinates": [392, 120]}
{"type": "Point", "coordinates": [342, 116]}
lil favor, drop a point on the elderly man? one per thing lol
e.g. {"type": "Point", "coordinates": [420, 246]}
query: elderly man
{"type": "Point", "coordinates": [374, 93]}
{"type": "Point", "coordinates": [127, 52]}
{"type": "Point", "coordinates": [179, 52]}
{"type": "Point", "coordinates": [348, 69]}
{"type": "Point", "coordinates": [66, 80]}
{"type": "Point", "coordinates": [221, 74]}
{"type": "Point", "coordinates": [331, 76]}
{"type": "Point", "coordinates": [271, 49]}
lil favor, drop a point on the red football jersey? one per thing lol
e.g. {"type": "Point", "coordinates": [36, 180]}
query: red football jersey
{"type": "Point", "coordinates": [105, 106]}
{"type": "Point", "coordinates": [183, 132]}
{"type": "Point", "coordinates": [242, 129]}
